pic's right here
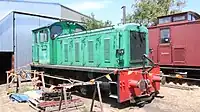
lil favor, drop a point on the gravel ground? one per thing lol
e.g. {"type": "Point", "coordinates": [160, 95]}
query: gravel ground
{"type": "Point", "coordinates": [175, 100]}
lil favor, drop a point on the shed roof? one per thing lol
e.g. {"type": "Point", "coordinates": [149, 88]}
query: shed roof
{"type": "Point", "coordinates": [47, 3]}
{"type": "Point", "coordinates": [39, 15]}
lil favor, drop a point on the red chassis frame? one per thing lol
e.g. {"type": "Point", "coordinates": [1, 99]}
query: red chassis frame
{"type": "Point", "coordinates": [132, 83]}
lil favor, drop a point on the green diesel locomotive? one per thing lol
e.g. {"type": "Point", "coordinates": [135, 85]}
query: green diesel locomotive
{"type": "Point", "coordinates": [67, 49]}
{"type": "Point", "coordinates": [65, 43]}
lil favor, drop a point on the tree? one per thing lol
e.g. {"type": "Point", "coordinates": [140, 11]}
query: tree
{"type": "Point", "coordinates": [92, 23]}
{"type": "Point", "coordinates": [146, 11]}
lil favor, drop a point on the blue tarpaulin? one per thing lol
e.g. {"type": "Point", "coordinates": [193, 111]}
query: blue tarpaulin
{"type": "Point", "coordinates": [19, 97]}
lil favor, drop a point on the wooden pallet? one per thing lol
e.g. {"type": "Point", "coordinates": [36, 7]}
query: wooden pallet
{"type": "Point", "coordinates": [47, 106]}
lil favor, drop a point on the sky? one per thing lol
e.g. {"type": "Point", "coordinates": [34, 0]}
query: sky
{"type": "Point", "coordinates": [110, 9]}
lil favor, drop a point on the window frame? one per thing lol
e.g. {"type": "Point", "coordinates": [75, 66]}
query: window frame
{"type": "Point", "coordinates": [52, 35]}
{"type": "Point", "coordinates": [44, 36]}
{"type": "Point", "coordinates": [161, 36]}
{"type": "Point", "coordinates": [185, 18]}
{"type": "Point", "coordinates": [170, 20]}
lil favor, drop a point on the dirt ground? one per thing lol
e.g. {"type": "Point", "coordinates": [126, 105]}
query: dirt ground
{"type": "Point", "coordinates": [175, 100]}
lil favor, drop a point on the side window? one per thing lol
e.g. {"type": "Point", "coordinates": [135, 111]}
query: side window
{"type": "Point", "coordinates": [43, 36]}
{"type": "Point", "coordinates": [165, 35]}
{"type": "Point", "coordinates": [191, 17]}
{"type": "Point", "coordinates": [179, 18]}
{"type": "Point", "coordinates": [164, 20]}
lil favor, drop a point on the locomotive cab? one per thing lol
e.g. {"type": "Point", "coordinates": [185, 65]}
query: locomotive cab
{"type": "Point", "coordinates": [44, 37]}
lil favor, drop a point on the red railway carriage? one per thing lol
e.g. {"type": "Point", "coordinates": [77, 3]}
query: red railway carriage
{"type": "Point", "coordinates": [174, 41]}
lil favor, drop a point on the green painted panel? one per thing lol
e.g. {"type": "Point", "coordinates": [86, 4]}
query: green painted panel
{"type": "Point", "coordinates": [107, 50]}
{"type": "Point", "coordinates": [66, 51]}
{"type": "Point", "coordinates": [35, 48]}
{"type": "Point", "coordinates": [91, 51]}
{"type": "Point", "coordinates": [77, 52]}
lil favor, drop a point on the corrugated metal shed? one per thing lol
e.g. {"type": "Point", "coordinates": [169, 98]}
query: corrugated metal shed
{"type": "Point", "coordinates": [6, 36]}
{"type": "Point", "coordinates": [16, 35]}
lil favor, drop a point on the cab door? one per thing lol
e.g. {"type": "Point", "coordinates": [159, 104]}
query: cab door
{"type": "Point", "coordinates": [165, 47]}
{"type": "Point", "coordinates": [35, 48]}
{"type": "Point", "coordinates": [44, 50]}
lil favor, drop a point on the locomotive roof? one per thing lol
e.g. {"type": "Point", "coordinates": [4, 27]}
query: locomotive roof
{"type": "Point", "coordinates": [123, 27]}
{"type": "Point", "coordinates": [67, 21]}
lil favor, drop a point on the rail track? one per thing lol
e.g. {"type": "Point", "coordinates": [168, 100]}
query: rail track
{"type": "Point", "coordinates": [179, 82]}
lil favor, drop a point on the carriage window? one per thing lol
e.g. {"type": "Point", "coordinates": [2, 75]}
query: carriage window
{"type": "Point", "coordinates": [191, 17]}
{"type": "Point", "coordinates": [164, 20]}
{"type": "Point", "coordinates": [179, 18]}
{"type": "Point", "coordinates": [165, 35]}
{"type": "Point", "coordinates": [43, 36]}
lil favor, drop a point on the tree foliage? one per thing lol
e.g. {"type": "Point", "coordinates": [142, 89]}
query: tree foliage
{"type": "Point", "coordinates": [92, 23]}
{"type": "Point", "coordinates": [146, 11]}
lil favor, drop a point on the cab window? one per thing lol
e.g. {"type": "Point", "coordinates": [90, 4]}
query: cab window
{"type": "Point", "coordinates": [43, 36]}
{"type": "Point", "coordinates": [56, 30]}
{"type": "Point", "coordinates": [165, 35]}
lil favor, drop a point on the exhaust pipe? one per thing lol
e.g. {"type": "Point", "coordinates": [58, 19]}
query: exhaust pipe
{"type": "Point", "coordinates": [124, 14]}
